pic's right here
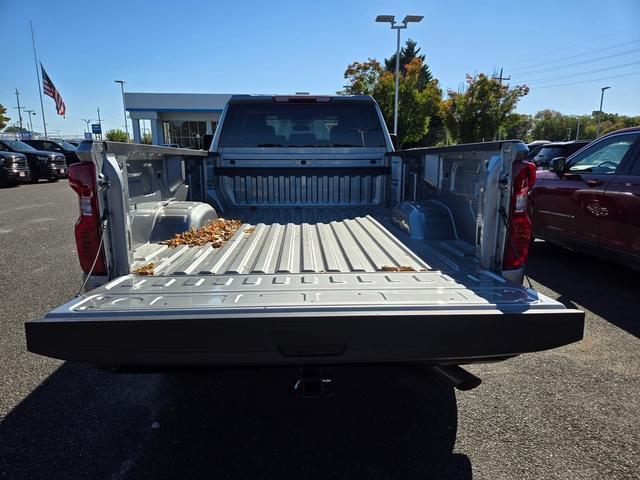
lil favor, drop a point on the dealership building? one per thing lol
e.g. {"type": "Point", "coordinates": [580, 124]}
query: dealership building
{"type": "Point", "coordinates": [175, 118]}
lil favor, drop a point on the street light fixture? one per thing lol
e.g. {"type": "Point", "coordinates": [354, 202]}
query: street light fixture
{"type": "Point", "coordinates": [600, 111]}
{"type": "Point", "coordinates": [31, 113]}
{"type": "Point", "coordinates": [87, 121]}
{"type": "Point", "coordinates": [124, 108]}
{"type": "Point", "coordinates": [392, 20]}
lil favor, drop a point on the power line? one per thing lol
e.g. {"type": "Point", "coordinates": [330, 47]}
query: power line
{"type": "Point", "coordinates": [586, 81]}
{"type": "Point", "coordinates": [575, 56]}
{"type": "Point", "coordinates": [581, 62]}
{"type": "Point", "coordinates": [597, 70]}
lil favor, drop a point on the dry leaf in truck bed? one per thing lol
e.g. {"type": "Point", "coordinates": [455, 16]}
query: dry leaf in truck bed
{"type": "Point", "coordinates": [401, 268]}
{"type": "Point", "coordinates": [145, 269]}
{"type": "Point", "coordinates": [216, 232]}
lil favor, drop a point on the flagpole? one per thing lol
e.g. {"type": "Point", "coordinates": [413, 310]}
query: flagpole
{"type": "Point", "coordinates": [35, 59]}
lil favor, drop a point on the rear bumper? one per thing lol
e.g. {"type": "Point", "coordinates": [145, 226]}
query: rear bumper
{"type": "Point", "coordinates": [281, 340]}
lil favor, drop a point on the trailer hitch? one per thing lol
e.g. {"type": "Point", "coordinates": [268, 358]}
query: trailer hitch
{"type": "Point", "coordinates": [313, 382]}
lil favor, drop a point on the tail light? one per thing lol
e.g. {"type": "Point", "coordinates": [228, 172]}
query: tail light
{"type": "Point", "coordinates": [82, 179]}
{"type": "Point", "coordinates": [519, 226]}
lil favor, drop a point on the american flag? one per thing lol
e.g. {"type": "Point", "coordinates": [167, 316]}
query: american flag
{"type": "Point", "coordinates": [50, 90]}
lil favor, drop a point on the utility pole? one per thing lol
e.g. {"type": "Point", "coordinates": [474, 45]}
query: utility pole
{"type": "Point", "coordinates": [569, 135]}
{"type": "Point", "coordinates": [100, 123]}
{"type": "Point", "coordinates": [578, 129]}
{"type": "Point", "coordinates": [19, 113]}
{"type": "Point", "coordinates": [501, 78]}
{"type": "Point", "coordinates": [30, 112]}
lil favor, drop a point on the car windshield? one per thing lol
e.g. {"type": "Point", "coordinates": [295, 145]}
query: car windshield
{"type": "Point", "coordinates": [318, 124]}
{"type": "Point", "coordinates": [549, 152]}
{"type": "Point", "coordinates": [18, 146]}
{"type": "Point", "coordinates": [68, 146]}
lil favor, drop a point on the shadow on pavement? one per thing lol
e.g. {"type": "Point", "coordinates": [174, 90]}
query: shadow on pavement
{"type": "Point", "coordinates": [381, 423]}
{"type": "Point", "coordinates": [607, 289]}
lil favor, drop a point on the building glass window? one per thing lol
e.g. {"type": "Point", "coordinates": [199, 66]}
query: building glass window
{"type": "Point", "coordinates": [186, 134]}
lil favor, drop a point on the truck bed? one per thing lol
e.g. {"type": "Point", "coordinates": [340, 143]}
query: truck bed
{"type": "Point", "coordinates": [305, 240]}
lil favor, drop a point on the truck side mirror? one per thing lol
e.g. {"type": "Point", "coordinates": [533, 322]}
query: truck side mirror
{"type": "Point", "coordinates": [557, 164]}
{"type": "Point", "coordinates": [394, 140]}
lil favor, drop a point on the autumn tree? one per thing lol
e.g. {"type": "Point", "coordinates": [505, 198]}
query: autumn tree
{"type": "Point", "coordinates": [418, 106]}
{"type": "Point", "coordinates": [477, 113]}
{"type": "Point", "coordinates": [3, 116]}
{"type": "Point", "coordinates": [362, 77]}
{"type": "Point", "coordinates": [408, 53]}
{"type": "Point", "coordinates": [419, 96]}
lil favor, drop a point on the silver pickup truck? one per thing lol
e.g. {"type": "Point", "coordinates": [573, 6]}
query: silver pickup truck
{"type": "Point", "coordinates": [349, 251]}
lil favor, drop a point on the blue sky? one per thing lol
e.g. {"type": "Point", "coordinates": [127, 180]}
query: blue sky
{"type": "Point", "coordinates": [288, 46]}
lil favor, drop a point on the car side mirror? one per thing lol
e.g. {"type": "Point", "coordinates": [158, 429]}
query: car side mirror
{"type": "Point", "coordinates": [557, 164]}
{"type": "Point", "coordinates": [394, 140]}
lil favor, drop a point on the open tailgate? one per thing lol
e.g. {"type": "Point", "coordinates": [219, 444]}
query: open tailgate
{"type": "Point", "coordinates": [304, 318]}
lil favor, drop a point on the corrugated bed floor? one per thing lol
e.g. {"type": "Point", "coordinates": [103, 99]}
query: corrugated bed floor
{"type": "Point", "coordinates": [316, 240]}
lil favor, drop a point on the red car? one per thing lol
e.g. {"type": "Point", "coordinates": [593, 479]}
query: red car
{"type": "Point", "coordinates": [590, 201]}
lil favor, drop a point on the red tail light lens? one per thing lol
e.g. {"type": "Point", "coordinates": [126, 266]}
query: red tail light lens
{"type": "Point", "coordinates": [82, 179]}
{"type": "Point", "coordinates": [519, 228]}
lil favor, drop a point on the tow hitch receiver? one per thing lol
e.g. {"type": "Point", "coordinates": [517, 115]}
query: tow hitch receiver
{"type": "Point", "coordinates": [457, 377]}
{"type": "Point", "coordinates": [313, 382]}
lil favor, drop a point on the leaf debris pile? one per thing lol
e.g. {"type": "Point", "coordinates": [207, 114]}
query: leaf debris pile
{"type": "Point", "coordinates": [147, 269]}
{"type": "Point", "coordinates": [216, 232]}
{"type": "Point", "coordinates": [401, 268]}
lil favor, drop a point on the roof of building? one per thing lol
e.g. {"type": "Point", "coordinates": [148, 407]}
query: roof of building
{"type": "Point", "coordinates": [175, 102]}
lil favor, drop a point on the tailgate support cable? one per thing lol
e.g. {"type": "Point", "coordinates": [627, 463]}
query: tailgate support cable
{"type": "Point", "coordinates": [103, 223]}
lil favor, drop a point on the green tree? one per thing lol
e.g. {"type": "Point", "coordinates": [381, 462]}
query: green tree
{"type": "Point", "coordinates": [408, 53]}
{"type": "Point", "coordinates": [362, 77]}
{"type": "Point", "coordinates": [15, 129]}
{"type": "Point", "coordinates": [477, 113]}
{"type": "Point", "coordinates": [418, 106]}
{"type": "Point", "coordinates": [517, 126]}
{"type": "Point", "coordinates": [146, 138]}
{"type": "Point", "coordinates": [3, 116]}
{"type": "Point", "coordinates": [117, 135]}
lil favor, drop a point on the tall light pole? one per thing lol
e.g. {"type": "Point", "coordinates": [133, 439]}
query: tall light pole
{"type": "Point", "coordinates": [392, 20]}
{"type": "Point", "coordinates": [600, 110]}
{"type": "Point", "coordinates": [124, 107]}
{"type": "Point", "coordinates": [87, 121]}
{"type": "Point", "coordinates": [30, 112]}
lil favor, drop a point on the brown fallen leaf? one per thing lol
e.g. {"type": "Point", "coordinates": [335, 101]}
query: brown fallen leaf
{"type": "Point", "coordinates": [145, 269]}
{"type": "Point", "coordinates": [406, 268]}
{"type": "Point", "coordinates": [249, 229]}
{"type": "Point", "coordinates": [216, 232]}
{"type": "Point", "coordinates": [401, 268]}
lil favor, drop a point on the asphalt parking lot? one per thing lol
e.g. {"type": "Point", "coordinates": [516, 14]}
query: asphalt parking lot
{"type": "Point", "coordinates": [570, 413]}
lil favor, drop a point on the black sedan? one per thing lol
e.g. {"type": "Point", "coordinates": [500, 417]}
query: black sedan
{"type": "Point", "coordinates": [58, 146]}
{"type": "Point", "coordinates": [42, 164]}
{"type": "Point", "coordinates": [14, 168]}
